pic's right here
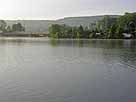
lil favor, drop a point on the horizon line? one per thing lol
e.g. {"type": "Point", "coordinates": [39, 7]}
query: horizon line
{"type": "Point", "coordinates": [66, 17]}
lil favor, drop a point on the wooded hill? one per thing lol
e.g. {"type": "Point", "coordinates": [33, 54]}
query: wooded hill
{"type": "Point", "coordinates": [43, 25]}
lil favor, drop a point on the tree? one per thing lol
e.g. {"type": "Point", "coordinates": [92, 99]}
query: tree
{"type": "Point", "coordinates": [112, 31]}
{"type": "Point", "coordinates": [8, 29]}
{"type": "Point", "coordinates": [109, 27]}
{"type": "Point", "coordinates": [105, 24]}
{"type": "Point", "coordinates": [119, 32]}
{"type": "Point", "coordinates": [127, 22]}
{"type": "Point", "coordinates": [18, 27]}
{"type": "Point", "coordinates": [3, 25]}
{"type": "Point", "coordinates": [80, 32]}
{"type": "Point", "coordinates": [74, 32]}
{"type": "Point", "coordinates": [54, 30]}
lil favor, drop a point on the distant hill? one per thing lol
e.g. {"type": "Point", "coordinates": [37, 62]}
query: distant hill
{"type": "Point", "coordinates": [42, 25]}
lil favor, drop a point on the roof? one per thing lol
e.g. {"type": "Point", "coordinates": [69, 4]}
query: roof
{"type": "Point", "coordinates": [127, 35]}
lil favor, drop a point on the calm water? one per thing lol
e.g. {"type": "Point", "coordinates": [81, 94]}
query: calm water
{"type": "Point", "coordinates": [43, 70]}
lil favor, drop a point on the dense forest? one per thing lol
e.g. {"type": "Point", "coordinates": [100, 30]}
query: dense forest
{"type": "Point", "coordinates": [14, 28]}
{"type": "Point", "coordinates": [106, 28]}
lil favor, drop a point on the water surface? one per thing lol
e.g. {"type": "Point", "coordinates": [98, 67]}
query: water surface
{"type": "Point", "coordinates": [44, 70]}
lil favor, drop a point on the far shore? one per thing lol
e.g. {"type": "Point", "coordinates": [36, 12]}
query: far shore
{"type": "Point", "coordinates": [48, 38]}
{"type": "Point", "coordinates": [23, 34]}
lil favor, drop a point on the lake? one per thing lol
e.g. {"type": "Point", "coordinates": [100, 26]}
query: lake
{"type": "Point", "coordinates": [44, 70]}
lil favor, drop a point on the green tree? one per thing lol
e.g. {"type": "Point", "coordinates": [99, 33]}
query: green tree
{"type": "Point", "coordinates": [8, 29]}
{"type": "Point", "coordinates": [112, 31]}
{"type": "Point", "coordinates": [109, 27]}
{"type": "Point", "coordinates": [54, 30]}
{"type": "Point", "coordinates": [18, 27]}
{"type": "Point", "coordinates": [105, 24]}
{"type": "Point", "coordinates": [128, 23]}
{"type": "Point", "coordinates": [3, 25]}
{"type": "Point", "coordinates": [119, 32]}
{"type": "Point", "coordinates": [80, 32]}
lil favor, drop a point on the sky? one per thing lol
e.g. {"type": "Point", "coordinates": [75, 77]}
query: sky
{"type": "Point", "coordinates": [56, 9]}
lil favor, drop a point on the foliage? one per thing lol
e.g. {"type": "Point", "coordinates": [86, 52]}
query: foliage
{"type": "Point", "coordinates": [112, 32]}
{"type": "Point", "coordinates": [18, 27]}
{"type": "Point", "coordinates": [128, 23]}
{"type": "Point", "coordinates": [64, 31]}
{"type": "Point", "coordinates": [3, 25]}
{"type": "Point", "coordinates": [8, 29]}
{"type": "Point", "coordinates": [15, 27]}
{"type": "Point", "coordinates": [108, 28]}
{"type": "Point", "coordinates": [106, 23]}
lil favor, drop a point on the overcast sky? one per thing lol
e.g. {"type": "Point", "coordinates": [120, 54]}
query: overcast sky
{"type": "Point", "coordinates": [54, 9]}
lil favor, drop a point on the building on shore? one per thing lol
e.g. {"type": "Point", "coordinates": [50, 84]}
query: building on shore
{"type": "Point", "coordinates": [126, 35]}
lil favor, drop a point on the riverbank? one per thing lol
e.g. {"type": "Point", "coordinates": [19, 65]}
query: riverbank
{"type": "Point", "coordinates": [48, 38]}
{"type": "Point", "coordinates": [23, 34]}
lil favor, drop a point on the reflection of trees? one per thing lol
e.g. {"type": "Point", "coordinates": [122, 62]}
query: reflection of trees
{"type": "Point", "coordinates": [104, 43]}
{"type": "Point", "coordinates": [120, 56]}
{"type": "Point", "coordinates": [80, 43]}
{"type": "Point", "coordinates": [67, 43]}
{"type": "Point", "coordinates": [15, 41]}
{"type": "Point", "coordinates": [54, 42]}
{"type": "Point", "coordinates": [107, 44]}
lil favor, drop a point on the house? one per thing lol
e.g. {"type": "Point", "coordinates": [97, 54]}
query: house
{"type": "Point", "coordinates": [98, 33]}
{"type": "Point", "coordinates": [126, 35]}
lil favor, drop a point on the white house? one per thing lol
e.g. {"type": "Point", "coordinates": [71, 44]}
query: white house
{"type": "Point", "coordinates": [126, 35]}
{"type": "Point", "coordinates": [98, 33]}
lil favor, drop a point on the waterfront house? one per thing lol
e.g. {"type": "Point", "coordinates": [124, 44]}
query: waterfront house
{"type": "Point", "coordinates": [98, 33]}
{"type": "Point", "coordinates": [126, 35]}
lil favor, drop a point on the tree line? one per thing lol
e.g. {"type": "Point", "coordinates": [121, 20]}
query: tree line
{"type": "Point", "coordinates": [107, 28]}
{"type": "Point", "coordinates": [14, 28]}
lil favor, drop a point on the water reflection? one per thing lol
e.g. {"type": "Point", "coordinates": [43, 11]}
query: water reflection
{"type": "Point", "coordinates": [74, 42]}
{"type": "Point", "coordinates": [95, 43]}
{"type": "Point", "coordinates": [121, 52]}
{"type": "Point", "coordinates": [40, 70]}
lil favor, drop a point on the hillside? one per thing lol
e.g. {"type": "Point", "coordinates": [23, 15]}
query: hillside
{"type": "Point", "coordinates": [42, 25]}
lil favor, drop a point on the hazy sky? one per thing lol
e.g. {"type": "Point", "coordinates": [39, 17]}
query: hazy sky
{"type": "Point", "coordinates": [54, 9]}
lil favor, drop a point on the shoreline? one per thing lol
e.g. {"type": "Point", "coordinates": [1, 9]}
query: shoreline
{"type": "Point", "coordinates": [48, 38]}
